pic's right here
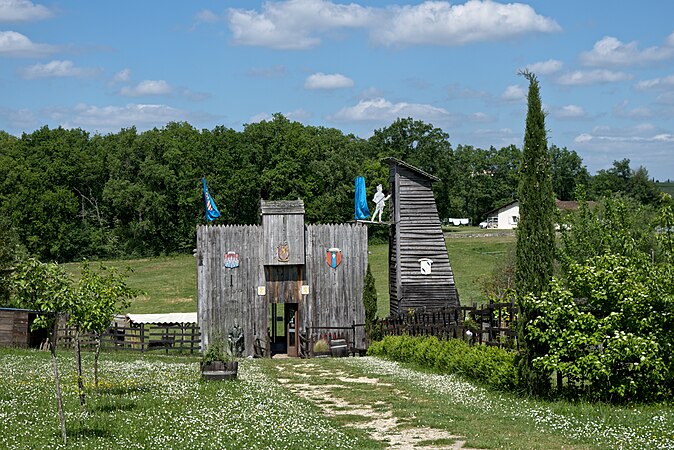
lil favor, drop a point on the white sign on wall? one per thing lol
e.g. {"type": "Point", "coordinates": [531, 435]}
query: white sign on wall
{"type": "Point", "coordinates": [425, 266]}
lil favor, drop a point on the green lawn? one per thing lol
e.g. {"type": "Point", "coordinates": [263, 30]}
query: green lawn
{"type": "Point", "coordinates": [153, 402]}
{"type": "Point", "coordinates": [169, 283]}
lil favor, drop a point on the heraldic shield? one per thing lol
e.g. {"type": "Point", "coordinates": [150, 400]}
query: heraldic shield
{"type": "Point", "coordinates": [333, 257]}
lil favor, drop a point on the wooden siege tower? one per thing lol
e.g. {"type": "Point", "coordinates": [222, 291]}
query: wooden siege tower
{"type": "Point", "coordinates": [420, 275]}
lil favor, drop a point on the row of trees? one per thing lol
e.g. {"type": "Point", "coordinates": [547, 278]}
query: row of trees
{"type": "Point", "coordinates": [66, 195]}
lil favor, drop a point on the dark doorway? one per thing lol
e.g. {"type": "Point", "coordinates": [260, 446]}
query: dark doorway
{"type": "Point", "coordinates": [283, 328]}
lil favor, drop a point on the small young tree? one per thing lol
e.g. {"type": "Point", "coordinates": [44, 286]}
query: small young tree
{"type": "Point", "coordinates": [101, 295]}
{"type": "Point", "coordinates": [46, 288]}
{"type": "Point", "coordinates": [535, 230]}
{"type": "Point", "coordinates": [370, 304]}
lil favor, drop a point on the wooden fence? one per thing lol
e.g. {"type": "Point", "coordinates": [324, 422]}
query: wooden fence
{"type": "Point", "coordinates": [491, 324]}
{"type": "Point", "coordinates": [180, 339]}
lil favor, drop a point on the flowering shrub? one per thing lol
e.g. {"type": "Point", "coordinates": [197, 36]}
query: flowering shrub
{"type": "Point", "coordinates": [490, 365]}
{"type": "Point", "coordinates": [607, 331]}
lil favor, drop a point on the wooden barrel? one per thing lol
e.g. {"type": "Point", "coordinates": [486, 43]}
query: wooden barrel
{"type": "Point", "coordinates": [338, 347]}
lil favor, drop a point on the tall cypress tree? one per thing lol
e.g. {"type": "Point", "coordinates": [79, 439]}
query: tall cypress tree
{"type": "Point", "coordinates": [535, 229]}
{"type": "Point", "coordinates": [535, 232]}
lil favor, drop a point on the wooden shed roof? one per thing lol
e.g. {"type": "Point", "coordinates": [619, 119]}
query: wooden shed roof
{"type": "Point", "coordinates": [274, 207]}
{"type": "Point", "coordinates": [392, 161]}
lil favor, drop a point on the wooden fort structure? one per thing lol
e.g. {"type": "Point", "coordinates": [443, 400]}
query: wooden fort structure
{"type": "Point", "coordinates": [284, 278]}
{"type": "Point", "coordinates": [281, 279]}
{"type": "Point", "coordinates": [420, 275]}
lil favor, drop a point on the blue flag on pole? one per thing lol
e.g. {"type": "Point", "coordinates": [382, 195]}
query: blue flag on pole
{"type": "Point", "coordinates": [360, 203]}
{"type": "Point", "coordinates": [212, 212]}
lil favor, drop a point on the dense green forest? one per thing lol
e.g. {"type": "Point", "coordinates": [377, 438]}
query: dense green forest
{"type": "Point", "coordinates": [67, 195]}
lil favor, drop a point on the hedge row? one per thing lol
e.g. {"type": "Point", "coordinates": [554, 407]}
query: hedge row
{"type": "Point", "coordinates": [489, 365]}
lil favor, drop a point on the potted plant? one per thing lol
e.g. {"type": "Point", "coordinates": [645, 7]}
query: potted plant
{"type": "Point", "coordinates": [321, 348]}
{"type": "Point", "coordinates": [217, 363]}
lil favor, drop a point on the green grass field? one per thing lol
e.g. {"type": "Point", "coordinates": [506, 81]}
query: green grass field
{"type": "Point", "coordinates": [169, 283]}
{"type": "Point", "coordinates": [160, 402]}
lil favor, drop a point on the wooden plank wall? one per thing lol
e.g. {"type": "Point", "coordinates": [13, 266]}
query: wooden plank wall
{"type": "Point", "coordinates": [14, 328]}
{"type": "Point", "coordinates": [336, 295]}
{"type": "Point", "coordinates": [224, 295]}
{"type": "Point", "coordinates": [284, 228]}
{"type": "Point", "coordinates": [418, 234]}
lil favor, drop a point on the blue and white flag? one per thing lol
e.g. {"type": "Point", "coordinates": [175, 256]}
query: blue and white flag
{"type": "Point", "coordinates": [212, 212]}
{"type": "Point", "coordinates": [360, 202]}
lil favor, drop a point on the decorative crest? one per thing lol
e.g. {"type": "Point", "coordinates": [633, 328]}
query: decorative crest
{"type": "Point", "coordinates": [231, 260]}
{"type": "Point", "coordinates": [333, 256]}
{"type": "Point", "coordinates": [283, 252]}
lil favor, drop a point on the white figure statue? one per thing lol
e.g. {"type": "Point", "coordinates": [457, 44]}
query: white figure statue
{"type": "Point", "coordinates": [379, 199]}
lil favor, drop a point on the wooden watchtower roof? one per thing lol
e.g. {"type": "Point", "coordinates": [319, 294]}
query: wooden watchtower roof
{"type": "Point", "coordinates": [416, 234]}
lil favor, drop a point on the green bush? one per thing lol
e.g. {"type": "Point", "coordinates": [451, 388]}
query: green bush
{"type": "Point", "coordinates": [490, 365]}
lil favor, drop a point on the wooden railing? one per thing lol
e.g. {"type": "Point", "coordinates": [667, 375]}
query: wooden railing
{"type": "Point", "coordinates": [184, 338]}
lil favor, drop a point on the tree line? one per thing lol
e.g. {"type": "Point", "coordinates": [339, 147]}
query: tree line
{"type": "Point", "coordinates": [67, 195]}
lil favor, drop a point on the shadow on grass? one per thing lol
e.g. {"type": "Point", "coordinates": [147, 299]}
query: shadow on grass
{"type": "Point", "coordinates": [78, 432]}
{"type": "Point", "coordinates": [115, 405]}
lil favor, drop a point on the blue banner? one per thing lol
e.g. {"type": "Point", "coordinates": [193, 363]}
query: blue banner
{"type": "Point", "coordinates": [212, 212]}
{"type": "Point", "coordinates": [360, 203]}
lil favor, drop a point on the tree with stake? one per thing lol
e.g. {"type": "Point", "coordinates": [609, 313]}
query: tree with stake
{"type": "Point", "coordinates": [47, 288]}
{"type": "Point", "coordinates": [535, 228]}
{"type": "Point", "coordinates": [102, 294]}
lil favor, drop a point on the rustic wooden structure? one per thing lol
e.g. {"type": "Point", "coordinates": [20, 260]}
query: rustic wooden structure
{"type": "Point", "coordinates": [15, 329]}
{"type": "Point", "coordinates": [277, 281]}
{"type": "Point", "coordinates": [416, 237]}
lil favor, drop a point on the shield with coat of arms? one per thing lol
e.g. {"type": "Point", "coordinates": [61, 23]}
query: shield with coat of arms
{"type": "Point", "coordinates": [333, 257]}
{"type": "Point", "coordinates": [231, 260]}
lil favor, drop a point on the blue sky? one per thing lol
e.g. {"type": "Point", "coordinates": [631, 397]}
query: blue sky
{"type": "Point", "coordinates": [606, 68]}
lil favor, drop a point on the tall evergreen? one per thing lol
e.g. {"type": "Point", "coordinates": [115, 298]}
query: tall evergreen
{"type": "Point", "coordinates": [535, 234]}
{"type": "Point", "coordinates": [535, 229]}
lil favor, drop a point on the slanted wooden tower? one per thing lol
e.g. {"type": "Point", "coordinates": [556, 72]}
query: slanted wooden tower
{"type": "Point", "coordinates": [420, 275]}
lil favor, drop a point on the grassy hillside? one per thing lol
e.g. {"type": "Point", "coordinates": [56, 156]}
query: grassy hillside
{"type": "Point", "coordinates": [169, 283]}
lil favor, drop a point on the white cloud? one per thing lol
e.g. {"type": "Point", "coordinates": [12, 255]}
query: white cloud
{"type": "Point", "coordinates": [295, 24]}
{"type": "Point", "coordinates": [644, 133]}
{"type": "Point", "coordinates": [58, 68]}
{"type": "Point", "coordinates": [656, 83]}
{"type": "Point", "coordinates": [514, 93]}
{"type": "Point", "coordinates": [545, 67]}
{"type": "Point", "coordinates": [122, 76]}
{"type": "Point", "coordinates": [569, 112]}
{"type": "Point", "coordinates": [442, 23]}
{"type": "Point", "coordinates": [22, 11]}
{"type": "Point", "coordinates": [16, 44]}
{"type": "Point", "coordinates": [327, 81]}
{"type": "Point", "coordinates": [380, 109]}
{"type": "Point", "coordinates": [111, 118]}
{"type": "Point", "coordinates": [147, 87]}
{"type": "Point", "coordinates": [207, 16]}
{"type": "Point", "coordinates": [609, 51]}
{"type": "Point", "coordinates": [298, 115]}
{"type": "Point", "coordinates": [640, 112]}
{"type": "Point", "coordinates": [195, 96]}
{"type": "Point", "coordinates": [19, 118]}
{"type": "Point", "coordinates": [300, 24]}
{"type": "Point", "coordinates": [582, 77]}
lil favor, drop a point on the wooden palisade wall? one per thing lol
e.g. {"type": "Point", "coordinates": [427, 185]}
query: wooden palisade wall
{"type": "Point", "coordinates": [416, 233]}
{"type": "Point", "coordinates": [335, 297]}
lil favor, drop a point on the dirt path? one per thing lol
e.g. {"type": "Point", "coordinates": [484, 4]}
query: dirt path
{"type": "Point", "coordinates": [330, 391]}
